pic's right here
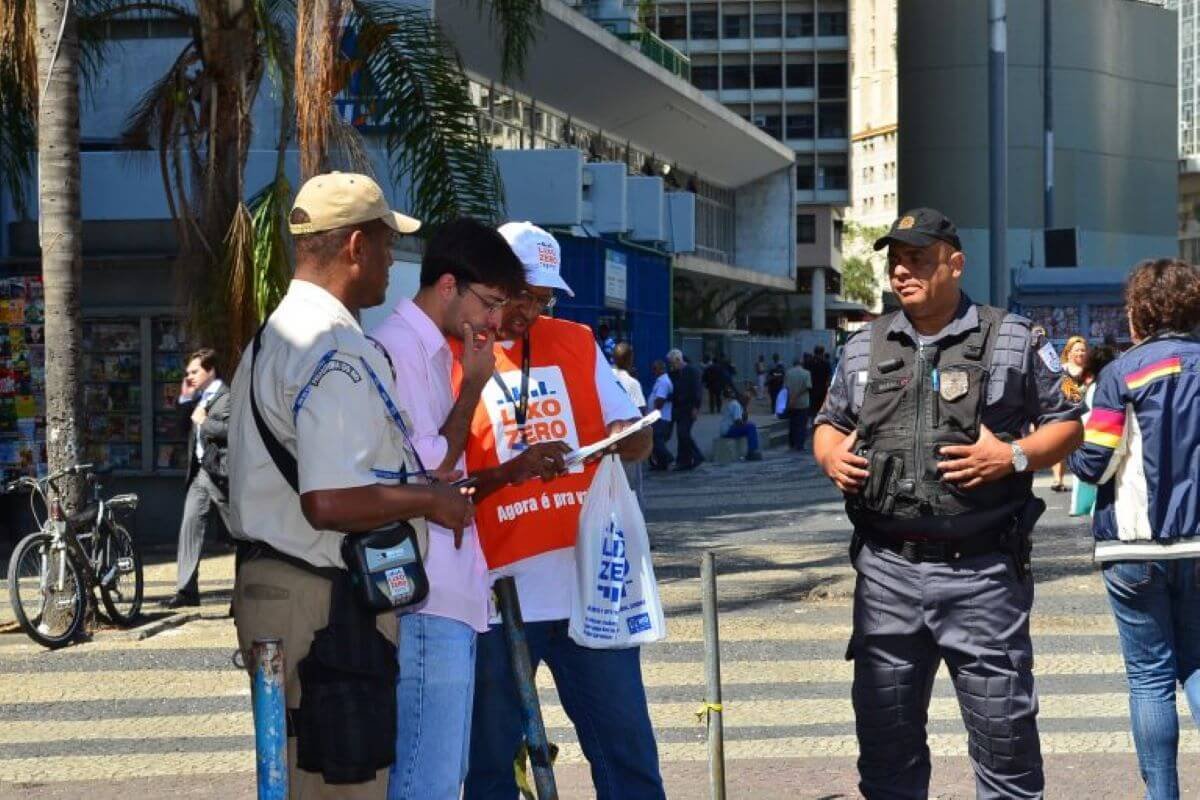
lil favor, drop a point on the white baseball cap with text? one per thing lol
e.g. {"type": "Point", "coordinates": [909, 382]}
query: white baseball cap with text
{"type": "Point", "coordinates": [538, 252]}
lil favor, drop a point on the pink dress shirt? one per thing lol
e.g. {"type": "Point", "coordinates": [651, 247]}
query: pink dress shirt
{"type": "Point", "coordinates": [458, 578]}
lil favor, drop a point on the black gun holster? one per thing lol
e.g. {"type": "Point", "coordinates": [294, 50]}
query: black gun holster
{"type": "Point", "coordinates": [1018, 542]}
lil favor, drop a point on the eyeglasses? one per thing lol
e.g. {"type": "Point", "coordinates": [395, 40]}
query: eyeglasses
{"type": "Point", "coordinates": [529, 298]}
{"type": "Point", "coordinates": [490, 305]}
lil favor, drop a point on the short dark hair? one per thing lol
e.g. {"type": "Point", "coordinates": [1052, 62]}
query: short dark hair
{"type": "Point", "coordinates": [1098, 358]}
{"type": "Point", "coordinates": [473, 253]}
{"type": "Point", "coordinates": [324, 246]}
{"type": "Point", "coordinates": [1163, 295]}
{"type": "Point", "coordinates": [207, 358]}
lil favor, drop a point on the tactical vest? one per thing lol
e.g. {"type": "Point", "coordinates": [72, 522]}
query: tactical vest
{"type": "Point", "coordinates": [917, 400]}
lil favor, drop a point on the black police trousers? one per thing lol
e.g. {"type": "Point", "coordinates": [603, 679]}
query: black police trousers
{"type": "Point", "coordinates": [974, 615]}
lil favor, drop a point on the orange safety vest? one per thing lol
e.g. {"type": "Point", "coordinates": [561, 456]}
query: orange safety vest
{"type": "Point", "coordinates": [535, 517]}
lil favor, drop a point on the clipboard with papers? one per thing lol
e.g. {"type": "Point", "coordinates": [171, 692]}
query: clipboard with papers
{"type": "Point", "coordinates": [582, 454]}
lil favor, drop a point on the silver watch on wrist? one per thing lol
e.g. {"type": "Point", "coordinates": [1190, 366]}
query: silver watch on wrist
{"type": "Point", "coordinates": [1020, 461]}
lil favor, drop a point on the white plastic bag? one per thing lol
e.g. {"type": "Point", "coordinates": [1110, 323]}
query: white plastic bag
{"type": "Point", "coordinates": [781, 402]}
{"type": "Point", "coordinates": [615, 603]}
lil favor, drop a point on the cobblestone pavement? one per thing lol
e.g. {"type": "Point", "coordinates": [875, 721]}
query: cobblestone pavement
{"type": "Point", "coordinates": [169, 715]}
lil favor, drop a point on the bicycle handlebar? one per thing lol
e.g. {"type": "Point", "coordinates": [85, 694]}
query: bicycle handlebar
{"type": "Point", "coordinates": [49, 480]}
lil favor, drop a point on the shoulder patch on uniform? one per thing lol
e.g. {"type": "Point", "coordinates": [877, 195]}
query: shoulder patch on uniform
{"type": "Point", "coordinates": [335, 365]}
{"type": "Point", "coordinates": [1050, 357]}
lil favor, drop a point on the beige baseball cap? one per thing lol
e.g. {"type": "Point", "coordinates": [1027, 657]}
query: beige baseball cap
{"type": "Point", "coordinates": [338, 199]}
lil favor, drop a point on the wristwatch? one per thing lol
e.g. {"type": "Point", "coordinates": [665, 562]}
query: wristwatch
{"type": "Point", "coordinates": [1020, 461]}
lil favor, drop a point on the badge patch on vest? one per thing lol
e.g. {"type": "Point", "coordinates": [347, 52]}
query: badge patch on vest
{"type": "Point", "coordinates": [955, 384]}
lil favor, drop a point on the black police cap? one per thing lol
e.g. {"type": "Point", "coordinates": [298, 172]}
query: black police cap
{"type": "Point", "coordinates": [921, 227]}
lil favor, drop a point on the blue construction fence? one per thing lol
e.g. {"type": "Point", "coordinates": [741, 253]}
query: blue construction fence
{"type": "Point", "coordinates": [645, 322]}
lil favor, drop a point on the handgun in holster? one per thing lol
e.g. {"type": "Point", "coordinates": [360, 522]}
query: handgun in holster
{"type": "Point", "coordinates": [1019, 541]}
{"type": "Point", "coordinates": [879, 492]}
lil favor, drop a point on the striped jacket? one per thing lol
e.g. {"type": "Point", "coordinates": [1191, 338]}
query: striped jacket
{"type": "Point", "coordinates": [1142, 447]}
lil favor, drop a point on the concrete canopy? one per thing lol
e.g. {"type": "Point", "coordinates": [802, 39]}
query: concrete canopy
{"type": "Point", "coordinates": [578, 68]}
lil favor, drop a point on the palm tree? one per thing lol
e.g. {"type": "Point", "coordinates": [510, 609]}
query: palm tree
{"type": "Point", "coordinates": [198, 118]}
{"type": "Point", "coordinates": [60, 227]}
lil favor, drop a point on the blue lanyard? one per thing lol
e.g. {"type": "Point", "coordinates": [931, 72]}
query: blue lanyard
{"type": "Point", "coordinates": [394, 413]}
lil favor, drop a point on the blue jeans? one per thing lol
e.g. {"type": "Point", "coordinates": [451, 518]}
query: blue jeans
{"type": "Point", "coordinates": [602, 693]}
{"type": "Point", "coordinates": [1157, 607]}
{"type": "Point", "coordinates": [434, 694]}
{"type": "Point", "coordinates": [747, 431]}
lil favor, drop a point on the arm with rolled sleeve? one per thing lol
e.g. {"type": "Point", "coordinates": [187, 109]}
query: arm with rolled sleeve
{"type": "Point", "coordinates": [339, 425]}
{"type": "Point", "coordinates": [1096, 460]}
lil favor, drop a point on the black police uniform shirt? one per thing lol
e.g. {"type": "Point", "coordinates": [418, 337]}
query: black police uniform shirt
{"type": "Point", "coordinates": [1024, 387]}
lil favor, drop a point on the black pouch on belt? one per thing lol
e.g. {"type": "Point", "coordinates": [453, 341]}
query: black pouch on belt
{"type": "Point", "coordinates": [346, 725]}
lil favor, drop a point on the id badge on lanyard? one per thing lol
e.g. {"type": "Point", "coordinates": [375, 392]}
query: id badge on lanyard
{"type": "Point", "coordinates": [521, 403]}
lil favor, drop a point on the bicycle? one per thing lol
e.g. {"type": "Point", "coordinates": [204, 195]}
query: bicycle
{"type": "Point", "coordinates": [53, 572]}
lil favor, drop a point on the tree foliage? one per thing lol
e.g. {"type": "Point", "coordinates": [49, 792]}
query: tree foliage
{"type": "Point", "coordinates": [197, 117]}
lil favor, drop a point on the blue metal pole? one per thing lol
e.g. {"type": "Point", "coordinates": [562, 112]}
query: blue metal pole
{"type": "Point", "coordinates": [270, 720]}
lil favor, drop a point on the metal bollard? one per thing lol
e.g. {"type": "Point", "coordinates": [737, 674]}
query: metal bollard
{"type": "Point", "coordinates": [270, 719]}
{"type": "Point", "coordinates": [531, 710]}
{"type": "Point", "coordinates": [712, 673]}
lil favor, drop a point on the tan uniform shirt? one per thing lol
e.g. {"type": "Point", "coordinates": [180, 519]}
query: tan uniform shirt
{"type": "Point", "coordinates": [316, 389]}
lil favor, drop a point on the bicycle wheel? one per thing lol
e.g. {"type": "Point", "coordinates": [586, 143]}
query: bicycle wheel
{"type": "Point", "coordinates": [121, 576]}
{"type": "Point", "coordinates": [50, 614]}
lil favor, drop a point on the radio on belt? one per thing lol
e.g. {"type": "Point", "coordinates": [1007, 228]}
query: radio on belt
{"type": "Point", "coordinates": [394, 569]}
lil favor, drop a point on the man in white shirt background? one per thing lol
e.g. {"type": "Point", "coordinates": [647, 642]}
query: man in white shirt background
{"type": "Point", "coordinates": [660, 399]}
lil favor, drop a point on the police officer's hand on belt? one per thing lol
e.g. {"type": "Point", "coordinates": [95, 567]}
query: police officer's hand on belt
{"type": "Point", "coordinates": [844, 467]}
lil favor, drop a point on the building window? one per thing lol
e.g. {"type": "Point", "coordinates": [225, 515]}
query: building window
{"type": "Point", "coordinates": [770, 124]}
{"type": "Point", "coordinates": [837, 234]}
{"type": "Point", "coordinates": [735, 26]}
{"type": "Point", "coordinates": [800, 126]}
{"type": "Point", "coordinates": [831, 176]}
{"type": "Point", "coordinates": [831, 23]}
{"type": "Point", "coordinates": [768, 25]}
{"type": "Point", "coordinates": [831, 80]}
{"type": "Point", "coordinates": [832, 124]}
{"type": "Point", "coordinates": [806, 229]}
{"type": "Point", "coordinates": [768, 76]}
{"type": "Point", "coordinates": [704, 24]}
{"type": "Point", "coordinates": [673, 26]}
{"type": "Point", "coordinates": [805, 178]}
{"type": "Point", "coordinates": [800, 24]}
{"type": "Point", "coordinates": [799, 75]}
{"type": "Point", "coordinates": [705, 77]}
{"type": "Point", "coordinates": [736, 76]}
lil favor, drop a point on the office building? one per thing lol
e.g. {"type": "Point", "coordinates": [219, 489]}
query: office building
{"type": "Point", "coordinates": [785, 67]}
{"type": "Point", "coordinates": [1114, 90]}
